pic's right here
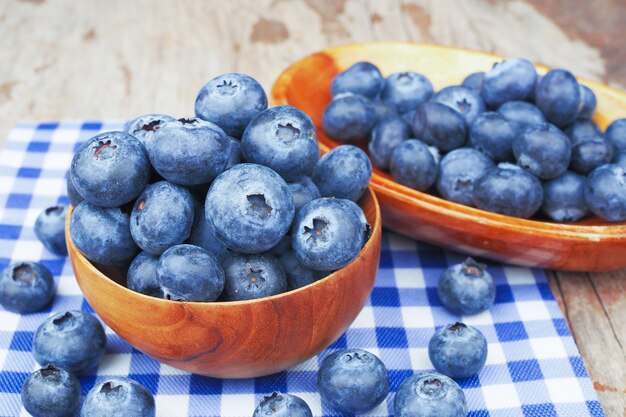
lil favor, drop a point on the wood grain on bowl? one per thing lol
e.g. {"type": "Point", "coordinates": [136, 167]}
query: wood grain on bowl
{"type": "Point", "coordinates": [237, 339]}
{"type": "Point", "coordinates": [588, 245]}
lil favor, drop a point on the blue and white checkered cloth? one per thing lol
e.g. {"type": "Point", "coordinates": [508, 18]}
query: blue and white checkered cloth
{"type": "Point", "coordinates": [533, 367]}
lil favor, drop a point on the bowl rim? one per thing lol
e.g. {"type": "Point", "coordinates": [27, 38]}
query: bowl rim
{"type": "Point", "coordinates": [376, 231]}
{"type": "Point", "coordinates": [448, 208]}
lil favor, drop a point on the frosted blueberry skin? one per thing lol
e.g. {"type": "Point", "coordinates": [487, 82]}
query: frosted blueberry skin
{"type": "Point", "coordinates": [298, 275]}
{"type": "Point", "coordinates": [458, 172]}
{"type": "Point", "coordinates": [412, 164]}
{"type": "Point", "coordinates": [564, 198]}
{"type": "Point", "coordinates": [386, 135]}
{"type": "Point", "coordinates": [582, 129]}
{"type": "Point", "coordinates": [362, 78]}
{"type": "Point", "coordinates": [72, 192]}
{"type": "Point", "coordinates": [365, 227]}
{"type": "Point", "coordinates": [558, 97]}
{"type": "Point", "coordinates": [404, 91]}
{"type": "Point", "coordinates": [190, 151]}
{"type": "Point", "coordinates": [103, 234]}
{"type": "Point", "coordinates": [141, 276]}
{"type": "Point", "coordinates": [543, 150]}
{"type": "Point", "coordinates": [458, 350]}
{"type": "Point", "coordinates": [439, 125]}
{"type": "Point", "coordinates": [349, 118]}
{"type": "Point", "coordinates": [429, 394]}
{"type": "Point", "coordinates": [282, 138]}
{"type": "Point", "coordinates": [118, 397]}
{"type": "Point", "coordinates": [231, 101]}
{"type": "Point", "coordinates": [303, 190]}
{"type": "Point", "coordinates": [510, 190]}
{"type": "Point", "coordinates": [384, 110]}
{"type": "Point", "coordinates": [50, 229]}
{"type": "Point", "coordinates": [282, 405]}
{"type": "Point", "coordinates": [110, 169]}
{"type": "Point", "coordinates": [51, 392]}
{"type": "Point", "coordinates": [190, 273]}
{"type": "Point", "coordinates": [466, 288]}
{"type": "Point", "coordinates": [591, 153]}
{"type": "Point", "coordinates": [249, 208]}
{"type": "Point", "coordinates": [26, 287]}
{"type": "Point", "coordinates": [327, 235]}
{"type": "Point", "coordinates": [344, 172]}
{"type": "Point", "coordinates": [234, 156]}
{"type": "Point", "coordinates": [162, 217]}
{"type": "Point", "coordinates": [588, 102]}
{"type": "Point", "coordinates": [605, 192]}
{"type": "Point", "coordinates": [511, 79]}
{"type": "Point", "coordinates": [253, 276]}
{"type": "Point", "coordinates": [616, 134]}
{"type": "Point", "coordinates": [493, 135]}
{"type": "Point", "coordinates": [144, 127]}
{"type": "Point", "coordinates": [521, 114]}
{"type": "Point", "coordinates": [71, 340]}
{"type": "Point", "coordinates": [474, 81]}
{"type": "Point", "coordinates": [202, 235]}
{"type": "Point", "coordinates": [620, 159]}
{"type": "Point", "coordinates": [464, 100]}
{"type": "Point", "coordinates": [352, 381]}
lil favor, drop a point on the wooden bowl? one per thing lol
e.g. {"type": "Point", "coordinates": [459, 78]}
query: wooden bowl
{"type": "Point", "coordinates": [236, 339]}
{"type": "Point", "coordinates": [588, 245]}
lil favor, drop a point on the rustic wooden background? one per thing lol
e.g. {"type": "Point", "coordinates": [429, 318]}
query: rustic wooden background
{"type": "Point", "coordinates": [119, 59]}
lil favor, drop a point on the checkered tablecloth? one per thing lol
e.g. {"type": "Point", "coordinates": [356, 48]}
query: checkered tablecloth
{"type": "Point", "coordinates": [533, 366]}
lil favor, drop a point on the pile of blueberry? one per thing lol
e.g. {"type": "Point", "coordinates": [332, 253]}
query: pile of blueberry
{"type": "Point", "coordinates": [507, 140]}
{"type": "Point", "coordinates": [233, 204]}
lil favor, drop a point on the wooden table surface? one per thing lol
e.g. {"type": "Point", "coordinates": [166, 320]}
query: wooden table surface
{"type": "Point", "coordinates": [118, 59]}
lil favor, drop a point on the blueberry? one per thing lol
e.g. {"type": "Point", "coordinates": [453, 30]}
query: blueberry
{"type": "Point", "coordinates": [590, 153]}
{"type": "Point", "coordinates": [582, 129]}
{"type": "Point", "coordinates": [234, 155]}
{"type": "Point", "coordinates": [521, 114]}
{"type": "Point", "coordinates": [620, 159]}
{"type": "Point", "coordinates": [466, 288]}
{"type": "Point", "coordinates": [439, 125]}
{"type": "Point", "coordinates": [588, 102]}
{"type": "Point", "coordinates": [508, 190]}
{"type": "Point", "coordinates": [117, 397]}
{"type": "Point", "coordinates": [327, 235]}
{"type": "Point", "coordinates": [26, 287]}
{"type": "Point", "coordinates": [298, 275]}
{"type": "Point", "coordinates": [283, 246]}
{"type": "Point", "coordinates": [202, 235]}
{"type": "Point", "coordinates": [406, 90]}
{"type": "Point", "coordinates": [190, 273]}
{"type": "Point", "coordinates": [71, 340]}
{"type": "Point", "coordinates": [352, 381]}
{"type": "Point", "coordinates": [303, 190]}
{"type": "Point", "coordinates": [558, 97]}
{"type": "Point", "coordinates": [413, 165]}
{"type": "Point", "coordinates": [493, 135]}
{"type": "Point", "coordinates": [349, 118]}
{"type": "Point", "coordinates": [511, 79]}
{"type": "Point", "coordinates": [144, 127]}
{"type": "Point", "coordinates": [162, 217]}
{"type": "Point", "coordinates": [103, 234]}
{"type": "Point", "coordinates": [51, 392]}
{"type": "Point", "coordinates": [142, 276]}
{"type": "Point", "coordinates": [249, 208]}
{"type": "Point", "coordinates": [72, 192]}
{"type": "Point", "coordinates": [231, 101]}
{"type": "Point", "coordinates": [458, 350]}
{"type": "Point", "coordinates": [616, 134]}
{"type": "Point", "coordinates": [429, 395]}
{"type": "Point", "coordinates": [282, 405]}
{"type": "Point", "coordinates": [284, 139]}
{"type": "Point", "coordinates": [110, 169]}
{"type": "Point", "coordinates": [474, 81]}
{"type": "Point", "coordinates": [564, 198]}
{"type": "Point", "coordinates": [386, 135]}
{"type": "Point", "coordinates": [361, 78]}
{"type": "Point", "coordinates": [543, 150]}
{"type": "Point", "coordinates": [344, 172]}
{"type": "Point", "coordinates": [458, 172]}
{"type": "Point", "coordinates": [384, 110]}
{"type": "Point", "coordinates": [253, 276]}
{"type": "Point", "coordinates": [464, 100]}
{"type": "Point", "coordinates": [364, 227]}
{"type": "Point", "coordinates": [50, 229]}
{"type": "Point", "coordinates": [605, 192]}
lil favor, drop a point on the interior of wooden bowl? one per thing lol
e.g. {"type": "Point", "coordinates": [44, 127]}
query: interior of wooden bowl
{"type": "Point", "coordinates": [306, 85]}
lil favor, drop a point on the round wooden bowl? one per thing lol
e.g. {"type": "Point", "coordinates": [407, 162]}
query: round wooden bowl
{"type": "Point", "coordinates": [588, 245]}
{"type": "Point", "coordinates": [236, 339]}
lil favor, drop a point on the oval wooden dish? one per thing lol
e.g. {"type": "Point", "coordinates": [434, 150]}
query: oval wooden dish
{"type": "Point", "coordinates": [236, 339]}
{"type": "Point", "coordinates": [588, 245]}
